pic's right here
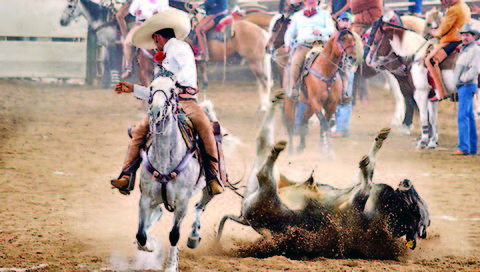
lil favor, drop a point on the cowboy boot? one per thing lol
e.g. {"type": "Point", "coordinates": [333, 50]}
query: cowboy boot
{"type": "Point", "coordinates": [210, 165]}
{"type": "Point", "coordinates": [434, 68]}
{"type": "Point", "coordinates": [126, 180]}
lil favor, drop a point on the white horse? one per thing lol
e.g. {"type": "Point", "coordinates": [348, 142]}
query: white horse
{"type": "Point", "coordinates": [414, 45]}
{"type": "Point", "coordinates": [103, 23]}
{"type": "Point", "coordinates": [169, 174]}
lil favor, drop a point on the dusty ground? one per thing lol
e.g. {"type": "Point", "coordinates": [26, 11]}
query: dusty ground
{"type": "Point", "coordinates": [60, 146]}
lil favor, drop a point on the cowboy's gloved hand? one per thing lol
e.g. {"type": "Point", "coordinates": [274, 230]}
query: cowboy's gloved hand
{"type": "Point", "coordinates": [123, 87]}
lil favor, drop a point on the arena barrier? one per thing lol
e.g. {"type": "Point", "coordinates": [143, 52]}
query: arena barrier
{"type": "Point", "coordinates": [33, 44]}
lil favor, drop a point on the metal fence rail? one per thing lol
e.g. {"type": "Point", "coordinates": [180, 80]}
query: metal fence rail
{"type": "Point", "coordinates": [33, 44]}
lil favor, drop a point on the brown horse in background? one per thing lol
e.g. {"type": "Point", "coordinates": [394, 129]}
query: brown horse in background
{"type": "Point", "coordinates": [322, 89]}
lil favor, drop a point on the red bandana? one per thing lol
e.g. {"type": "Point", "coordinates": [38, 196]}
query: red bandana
{"type": "Point", "coordinates": [310, 13]}
{"type": "Point", "coordinates": [159, 57]}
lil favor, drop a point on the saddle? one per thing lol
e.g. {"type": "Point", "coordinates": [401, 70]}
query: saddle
{"type": "Point", "coordinates": [223, 31]}
{"type": "Point", "coordinates": [310, 57]}
{"type": "Point", "coordinates": [193, 141]}
{"type": "Point", "coordinates": [447, 64]}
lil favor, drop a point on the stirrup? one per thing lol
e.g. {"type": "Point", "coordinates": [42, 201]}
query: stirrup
{"type": "Point", "coordinates": [125, 190]}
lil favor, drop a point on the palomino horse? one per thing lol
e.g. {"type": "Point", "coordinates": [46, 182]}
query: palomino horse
{"type": "Point", "coordinates": [103, 23]}
{"type": "Point", "coordinates": [249, 41]}
{"type": "Point", "coordinates": [169, 174]}
{"type": "Point", "coordinates": [323, 88]}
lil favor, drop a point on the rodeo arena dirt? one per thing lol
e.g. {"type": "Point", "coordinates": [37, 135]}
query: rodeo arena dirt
{"type": "Point", "coordinates": [62, 141]}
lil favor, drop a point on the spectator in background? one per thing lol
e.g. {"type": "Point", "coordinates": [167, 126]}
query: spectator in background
{"type": "Point", "coordinates": [365, 13]}
{"type": "Point", "coordinates": [344, 108]}
{"type": "Point", "coordinates": [339, 6]}
{"type": "Point", "coordinates": [466, 73]}
{"type": "Point", "coordinates": [417, 8]}
{"type": "Point", "coordinates": [141, 10]}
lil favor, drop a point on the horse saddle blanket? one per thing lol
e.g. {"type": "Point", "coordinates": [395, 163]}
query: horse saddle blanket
{"type": "Point", "coordinates": [223, 34]}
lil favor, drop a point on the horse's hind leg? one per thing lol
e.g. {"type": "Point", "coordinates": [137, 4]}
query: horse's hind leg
{"type": "Point", "coordinates": [419, 77]}
{"type": "Point", "coordinates": [149, 214]}
{"type": "Point", "coordinates": [432, 120]}
{"type": "Point", "coordinates": [377, 144]}
{"type": "Point", "coordinates": [258, 70]}
{"type": "Point", "coordinates": [238, 219]}
{"type": "Point", "coordinates": [265, 175]}
{"type": "Point", "coordinates": [194, 237]}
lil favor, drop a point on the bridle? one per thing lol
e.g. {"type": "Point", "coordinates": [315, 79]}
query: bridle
{"type": "Point", "coordinates": [329, 80]}
{"type": "Point", "coordinates": [159, 117]}
{"type": "Point", "coordinates": [343, 49]}
{"type": "Point", "coordinates": [391, 57]}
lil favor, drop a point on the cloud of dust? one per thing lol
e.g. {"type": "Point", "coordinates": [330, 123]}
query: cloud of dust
{"type": "Point", "coordinates": [142, 260]}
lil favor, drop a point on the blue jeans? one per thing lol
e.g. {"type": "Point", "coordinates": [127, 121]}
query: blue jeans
{"type": "Point", "coordinates": [467, 130]}
{"type": "Point", "coordinates": [344, 112]}
{"type": "Point", "coordinates": [417, 8]}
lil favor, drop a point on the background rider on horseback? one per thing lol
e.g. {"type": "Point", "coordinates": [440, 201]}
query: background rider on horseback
{"type": "Point", "coordinates": [308, 25]}
{"type": "Point", "coordinates": [457, 14]}
{"type": "Point", "coordinates": [175, 58]}
{"type": "Point", "coordinates": [141, 10]}
{"type": "Point", "coordinates": [215, 10]}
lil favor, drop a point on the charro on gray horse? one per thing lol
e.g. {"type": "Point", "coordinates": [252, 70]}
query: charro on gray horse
{"type": "Point", "coordinates": [170, 175]}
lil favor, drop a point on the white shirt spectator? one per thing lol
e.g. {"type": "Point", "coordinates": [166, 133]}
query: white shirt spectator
{"type": "Point", "coordinates": [144, 9]}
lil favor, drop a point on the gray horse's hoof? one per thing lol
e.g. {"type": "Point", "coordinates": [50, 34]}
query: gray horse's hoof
{"type": "Point", "coordinates": [193, 242]}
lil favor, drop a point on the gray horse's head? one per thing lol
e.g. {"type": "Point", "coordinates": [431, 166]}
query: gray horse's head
{"type": "Point", "coordinates": [162, 102]}
{"type": "Point", "coordinates": [72, 11]}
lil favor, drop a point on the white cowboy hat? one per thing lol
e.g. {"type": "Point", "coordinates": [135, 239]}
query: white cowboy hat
{"type": "Point", "coordinates": [169, 18]}
{"type": "Point", "coordinates": [468, 28]}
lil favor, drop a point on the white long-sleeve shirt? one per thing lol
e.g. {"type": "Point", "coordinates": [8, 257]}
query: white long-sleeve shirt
{"type": "Point", "coordinates": [180, 61]}
{"type": "Point", "coordinates": [301, 27]}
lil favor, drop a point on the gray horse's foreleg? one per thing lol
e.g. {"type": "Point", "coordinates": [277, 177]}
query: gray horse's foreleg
{"type": "Point", "coordinates": [194, 237]}
{"type": "Point", "coordinates": [238, 219]}
{"type": "Point", "coordinates": [149, 214]}
{"type": "Point", "coordinates": [179, 214]}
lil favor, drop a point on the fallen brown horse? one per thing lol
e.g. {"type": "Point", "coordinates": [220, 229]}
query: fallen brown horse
{"type": "Point", "coordinates": [322, 88]}
{"type": "Point", "coordinates": [267, 197]}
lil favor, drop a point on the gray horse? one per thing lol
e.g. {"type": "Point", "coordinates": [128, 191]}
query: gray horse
{"type": "Point", "coordinates": [102, 22]}
{"type": "Point", "coordinates": [169, 174]}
